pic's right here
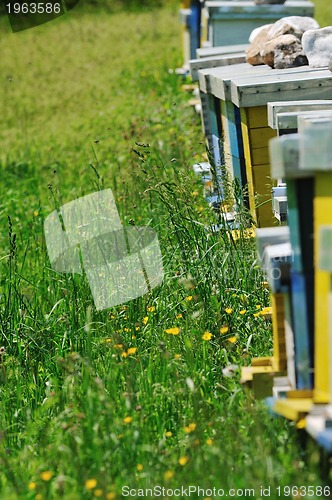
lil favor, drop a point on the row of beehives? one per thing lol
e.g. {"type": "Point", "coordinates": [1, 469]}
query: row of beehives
{"type": "Point", "coordinates": [243, 108]}
{"type": "Point", "coordinates": [213, 23]}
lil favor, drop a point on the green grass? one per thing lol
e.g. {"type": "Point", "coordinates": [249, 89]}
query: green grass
{"type": "Point", "coordinates": [78, 95]}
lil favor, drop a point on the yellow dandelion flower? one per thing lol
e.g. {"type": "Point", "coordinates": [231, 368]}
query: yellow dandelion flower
{"type": "Point", "coordinates": [139, 467]}
{"type": "Point", "coordinates": [108, 341]}
{"type": "Point", "coordinates": [223, 330]}
{"type": "Point", "coordinates": [124, 354]}
{"type": "Point", "coordinates": [131, 350]}
{"type": "Point", "coordinates": [46, 475]}
{"type": "Point", "coordinates": [301, 424]}
{"type": "Point", "coordinates": [168, 434]}
{"type": "Point", "coordinates": [98, 493]}
{"type": "Point", "coordinates": [265, 284]}
{"type": "Point", "coordinates": [111, 496]}
{"type": "Point", "coordinates": [133, 337]}
{"type": "Point", "coordinates": [39, 497]}
{"type": "Point", "coordinates": [137, 328]}
{"type": "Point", "coordinates": [194, 193]}
{"type": "Point", "coordinates": [151, 309]}
{"type": "Point", "coordinates": [243, 311]}
{"type": "Point", "coordinates": [256, 314]}
{"type": "Point", "coordinates": [118, 346]}
{"type": "Point", "coordinates": [124, 308]}
{"type": "Point", "coordinates": [32, 486]}
{"type": "Point", "coordinates": [190, 428]}
{"type": "Point", "coordinates": [258, 307]}
{"type": "Point", "coordinates": [90, 484]}
{"type": "Point", "coordinates": [177, 356]}
{"type": "Point", "coordinates": [229, 310]}
{"type": "Point", "coordinates": [232, 340]}
{"type": "Point", "coordinates": [173, 331]}
{"type": "Point", "coordinates": [127, 329]}
{"type": "Point", "coordinates": [209, 441]}
{"type": "Point", "coordinates": [207, 336]}
{"type": "Point", "coordinates": [266, 310]}
{"type": "Point", "coordinates": [169, 474]}
{"type": "Point", "coordinates": [112, 316]}
{"type": "Point", "coordinates": [127, 420]}
{"type": "Point", "coordinates": [179, 316]}
{"type": "Point", "coordinates": [36, 213]}
{"type": "Point", "coordinates": [145, 320]}
{"type": "Point", "coordinates": [189, 298]}
{"type": "Point", "coordinates": [183, 460]}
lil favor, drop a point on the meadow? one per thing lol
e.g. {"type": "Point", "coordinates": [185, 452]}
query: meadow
{"type": "Point", "coordinates": [146, 393]}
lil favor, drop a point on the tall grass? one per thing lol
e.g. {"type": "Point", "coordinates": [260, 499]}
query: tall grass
{"type": "Point", "coordinates": [146, 393]}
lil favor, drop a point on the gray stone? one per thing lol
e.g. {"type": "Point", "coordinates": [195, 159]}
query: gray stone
{"type": "Point", "coordinates": [253, 52]}
{"type": "Point", "coordinates": [285, 51]}
{"type": "Point", "coordinates": [330, 64]}
{"type": "Point", "coordinates": [317, 46]}
{"type": "Point", "coordinates": [256, 31]}
{"type": "Point", "coordinates": [292, 25]}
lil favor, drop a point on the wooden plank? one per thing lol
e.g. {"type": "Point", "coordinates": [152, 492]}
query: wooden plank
{"type": "Point", "coordinates": [233, 141]}
{"type": "Point", "coordinates": [322, 216]}
{"type": "Point", "coordinates": [249, 7]}
{"type": "Point", "coordinates": [293, 409]}
{"type": "Point", "coordinates": [290, 340]}
{"type": "Point", "coordinates": [260, 156]}
{"type": "Point", "coordinates": [274, 109]}
{"type": "Point", "coordinates": [248, 164]}
{"type": "Point", "coordinates": [289, 121]}
{"type": "Point", "coordinates": [219, 79]}
{"type": "Point", "coordinates": [221, 50]}
{"type": "Point", "coordinates": [257, 117]}
{"type": "Point", "coordinates": [303, 358]}
{"type": "Point", "coordinates": [259, 137]}
{"type": "Point", "coordinates": [215, 62]}
{"type": "Point", "coordinates": [255, 91]}
{"type": "Point", "coordinates": [278, 325]}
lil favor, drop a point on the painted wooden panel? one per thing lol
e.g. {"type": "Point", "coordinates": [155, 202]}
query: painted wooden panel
{"type": "Point", "coordinates": [255, 91]}
{"type": "Point", "coordinates": [259, 137]}
{"type": "Point", "coordinates": [234, 136]}
{"type": "Point", "coordinates": [262, 188]}
{"type": "Point", "coordinates": [220, 78]}
{"type": "Point", "coordinates": [293, 409]}
{"type": "Point", "coordinates": [322, 216]}
{"type": "Point", "coordinates": [221, 50]}
{"type": "Point", "coordinates": [278, 325]}
{"type": "Point", "coordinates": [258, 171]}
{"type": "Point", "coordinates": [260, 156]}
{"type": "Point", "coordinates": [303, 346]}
{"type": "Point", "coordinates": [215, 62]}
{"type": "Point", "coordinates": [292, 108]}
{"type": "Point", "coordinates": [257, 117]}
